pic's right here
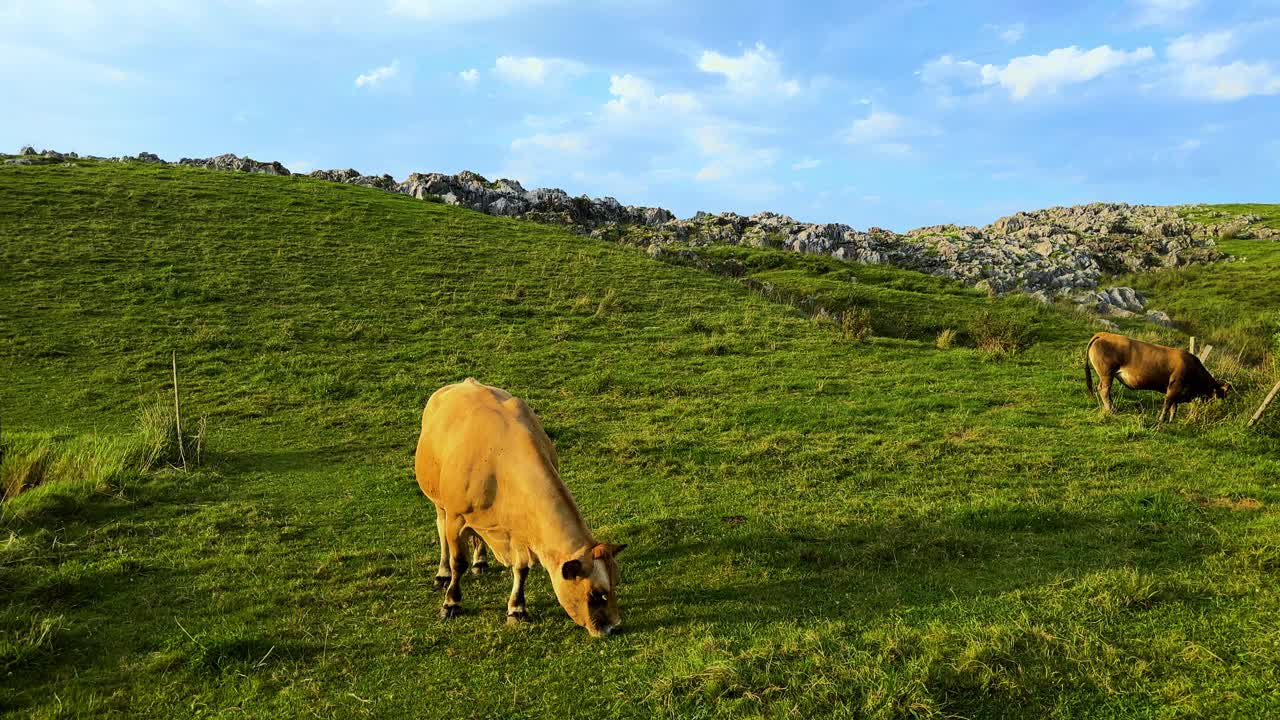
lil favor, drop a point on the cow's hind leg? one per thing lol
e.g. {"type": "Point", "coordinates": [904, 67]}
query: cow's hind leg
{"type": "Point", "coordinates": [1104, 391]}
{"type": "Point", "coordinates": [479, 554]}
{"type": "Point", "coordinates": [515, 604]}
{"type": "Point", "coordinates": [455, 535]}
{"type": "Point", "coordinates": [442, 572]}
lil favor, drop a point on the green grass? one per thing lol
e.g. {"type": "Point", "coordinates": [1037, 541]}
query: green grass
{"type": "Point", "coordinates": [1218, 213]}
{"type": "Point", "coordinates": [1234, 304]}
{"type": "Point", "coordinates": [817, 526]}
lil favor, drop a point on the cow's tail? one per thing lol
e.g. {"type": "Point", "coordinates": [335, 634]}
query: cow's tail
{"type": "Point", "coordinates": [1088, 367]}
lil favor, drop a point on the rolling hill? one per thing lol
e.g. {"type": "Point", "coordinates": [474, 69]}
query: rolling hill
{"type": "Point", "coordinates": [818, 525]}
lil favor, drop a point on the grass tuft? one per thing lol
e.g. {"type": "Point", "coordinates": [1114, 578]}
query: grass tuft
{"type": "Point", "coordinates": [998, 334]}
{"type": "Point", "coordinates": [855, 324]}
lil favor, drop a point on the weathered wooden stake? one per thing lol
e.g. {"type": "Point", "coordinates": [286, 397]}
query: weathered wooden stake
{"type": "Point", "coordinates": [177, 413]}
{"type": "Point", "coordinates": [1263, 407]}
{"type": "Point", "coordinates": [1193, 344]}
{"type": "Point", "coordinates": [1204, 354]}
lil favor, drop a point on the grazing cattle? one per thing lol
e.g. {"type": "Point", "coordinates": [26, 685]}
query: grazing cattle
{"type": "Point", "coordinates": [1143, 366]}
{"type": "Point", "coordinates": [492, 472]}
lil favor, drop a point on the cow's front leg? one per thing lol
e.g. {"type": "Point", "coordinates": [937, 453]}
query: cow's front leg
{"type": "Point", "coordinates": [442, 572]}
{"type": "Point", "coordinates": [479, 554]}
{"type": "Point", "coordinates": [1169, 410]}
{"type": "Point", "coordinates": [454, 528]}
{"type": "Point", "coordinates": [515, 604]}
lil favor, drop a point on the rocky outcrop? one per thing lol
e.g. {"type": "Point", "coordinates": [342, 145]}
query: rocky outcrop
{"type": "Point", "coordinates": [227, 161]}
{"type": "Point", "coordinates": [28, 156]}
{"type": "Point", "coordinates": [508, 198]}
{"type": "Point", "coordinates": [1062, 250]}
{"type": "Point", "coordinates": [1121, 302]}
{"type": "Point", "coordinates": [353, 177]}
{"type": "Point", "coordinates": [1051, 253]}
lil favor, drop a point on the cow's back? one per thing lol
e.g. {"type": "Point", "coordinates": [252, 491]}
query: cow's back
{"type": "Point", "coordinates": [1140, 365]}
{"type": "Point", "coordinates": [473, 435]}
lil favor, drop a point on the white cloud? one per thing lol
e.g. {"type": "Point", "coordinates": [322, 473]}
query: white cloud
{"type": "Point", "coordinates": [886, 132]}
{"type": "Point", "coordinates": [568, 143]}
{"type": "Point", "coordinates": [1224, 83]}
{"type": "Point", "coordinates": [756, 72]}
{"type": "Point", "coordinates": [1013, 33]}
{"type": "Point", "coordinates": [1199, 48]}
{"type": "Point", "coordinates": [377, 76]}
{"type": "Point", "coordinates": [1163, 12]}
{"type": "Point", "coordinates": [806, 164]}
{"type": "Point", "coordinates": [947, 70]}
{"type": "Point", "coordinates": [636, 100]}
{"type": "Point", "coordinates": [1189, 145]}
{"type": "Point", "coordinates": [463, 11]}
{"type": "Point", "coordinates": [680, 134]}
{"type": "Point", "coordinates": [469, 77]}
{"type": "Point", "coordinates": [726, 158]}
{"type": "Point", "coordinates": [535, 71]}
{"type": "Point", "coordinates": [879, 125]}
{"type": "Point", "coordinates": [1029, 74]}
{"type": "Point", "coordinates": [1193, 72]}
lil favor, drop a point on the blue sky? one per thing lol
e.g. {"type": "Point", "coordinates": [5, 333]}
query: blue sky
{"type": "Point", "coordinates": [895, 114]}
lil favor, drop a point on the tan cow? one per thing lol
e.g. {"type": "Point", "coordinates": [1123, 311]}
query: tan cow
{"type": "Point", "coordinates": [1143, 366]}
{"type": "Point", "coordinates": [492, 472]}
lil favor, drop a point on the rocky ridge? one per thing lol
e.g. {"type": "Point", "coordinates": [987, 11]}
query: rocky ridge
{"type": "Point", "coordinates": [1050, 253]}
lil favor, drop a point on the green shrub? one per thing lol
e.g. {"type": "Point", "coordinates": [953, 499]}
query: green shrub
{"type": "Point", "coordinates": [855, 324]}
{"type": "Point", "coordinates": [945, 339]}
{"type": "Point", "coordinates": [1000, 334]}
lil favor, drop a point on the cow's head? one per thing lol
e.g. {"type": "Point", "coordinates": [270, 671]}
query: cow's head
{"type": "Point", "coordinates": [1221, 390]}
{"type": "Point", "coordinates": [586, 588]}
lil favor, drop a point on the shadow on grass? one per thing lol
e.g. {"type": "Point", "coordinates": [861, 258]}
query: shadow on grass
{"type": "Point", "coordinates": [864, 570]}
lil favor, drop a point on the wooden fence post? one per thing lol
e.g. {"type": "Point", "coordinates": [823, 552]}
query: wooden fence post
{"type": "Point", "coordinates": [177, 413]}
{"type": "Point", "coordinates": [1263, 407]}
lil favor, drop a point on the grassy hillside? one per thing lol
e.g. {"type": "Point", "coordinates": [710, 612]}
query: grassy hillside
{"type": "Point", "coordinates": [817, 526]}
{"type": "Point", "coordinates": [1210, 214]}
{"type": "Point", "coordinates": [1235, 304]}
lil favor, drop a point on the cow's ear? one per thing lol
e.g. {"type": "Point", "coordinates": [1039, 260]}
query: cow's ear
{"type": "Point", "coordinates": [571, 569]}
{"type": "Point", "coordinates": [604, 550]}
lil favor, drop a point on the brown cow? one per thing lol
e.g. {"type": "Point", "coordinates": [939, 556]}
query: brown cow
{"type": "Point", "coordinates": [492, 472]}
{"type": "Point", "coordinates": [1143, 366]}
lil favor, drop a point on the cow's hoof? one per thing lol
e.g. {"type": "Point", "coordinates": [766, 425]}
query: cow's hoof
{"type": "Point", "coordinates": [442, 581]}
{"type": "Point", "coordinates": [517, 618]}
{"type": "Point", "coordinates": [479, 568]}
{"type": "Point", "coordinates": [449, 612]}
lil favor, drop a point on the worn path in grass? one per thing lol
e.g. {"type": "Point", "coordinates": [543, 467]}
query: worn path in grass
{"type": "Point", "coordinates": [815, 526]}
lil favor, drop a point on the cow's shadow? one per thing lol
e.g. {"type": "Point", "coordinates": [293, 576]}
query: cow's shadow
{"type": "Point", "coordinates": [748, 575]}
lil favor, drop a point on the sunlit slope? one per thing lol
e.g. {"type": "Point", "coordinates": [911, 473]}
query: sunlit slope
{"type": "Point", "coordinates": [816, 526]}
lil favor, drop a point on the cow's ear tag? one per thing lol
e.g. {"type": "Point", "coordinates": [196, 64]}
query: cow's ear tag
{"type": "Point", "coordinates": [571, 569]}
